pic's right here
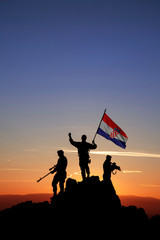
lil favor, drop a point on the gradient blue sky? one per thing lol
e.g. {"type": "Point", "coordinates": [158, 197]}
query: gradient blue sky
{"type": "Point", "coordinates": [63, 62]}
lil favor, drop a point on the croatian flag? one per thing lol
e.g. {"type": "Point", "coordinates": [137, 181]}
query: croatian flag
{"type": "Point", "coordinates": [111, 131]}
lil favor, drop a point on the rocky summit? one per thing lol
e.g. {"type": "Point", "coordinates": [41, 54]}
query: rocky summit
{"type": "Point", "coordinates": [86, 208]}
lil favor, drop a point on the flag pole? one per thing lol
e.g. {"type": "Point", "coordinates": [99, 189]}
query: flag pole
{"type": "Point", "coordinates": [99, 125]}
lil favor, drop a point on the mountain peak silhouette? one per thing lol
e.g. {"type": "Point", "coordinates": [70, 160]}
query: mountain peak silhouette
{"type": "Point", "coordinates": [87, 208]}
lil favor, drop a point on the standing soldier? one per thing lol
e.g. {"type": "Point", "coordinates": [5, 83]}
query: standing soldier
{"type": "Point", "coordinates": [108, 168]}
{"type": "Point", "coordinates": [83, 152]}
{"type": "Point", "coordinates": [60, 169]}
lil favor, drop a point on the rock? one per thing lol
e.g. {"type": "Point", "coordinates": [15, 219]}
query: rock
{"type": "Point", "coordinates": [90, 207]}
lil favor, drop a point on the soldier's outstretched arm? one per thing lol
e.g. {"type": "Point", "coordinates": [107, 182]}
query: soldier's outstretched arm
{"type": "Point", "coordinates": [70, 138]}
{"type": "Point", "coordinates": [75, 144]}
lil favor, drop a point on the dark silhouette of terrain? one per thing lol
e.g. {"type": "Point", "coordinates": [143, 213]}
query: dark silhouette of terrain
{"type": "Point", "coordinates": [151, 205]}
{"type": "Point", "coordinates": [89, 208]}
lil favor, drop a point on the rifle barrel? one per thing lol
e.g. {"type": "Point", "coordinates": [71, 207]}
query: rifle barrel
{"type": "Point", "coordinates": [43, 177]}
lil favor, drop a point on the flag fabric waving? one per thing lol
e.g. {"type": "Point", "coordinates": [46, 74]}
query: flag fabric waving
{"type": "Point", "coordinates": [111, 131]}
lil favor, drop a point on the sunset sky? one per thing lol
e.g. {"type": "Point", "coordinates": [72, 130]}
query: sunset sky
{"type": "Point", "coordinates": [62, 62]}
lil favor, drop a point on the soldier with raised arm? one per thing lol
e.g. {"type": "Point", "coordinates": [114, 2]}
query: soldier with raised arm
{"type": "Point", "coordinates": [83, 152]}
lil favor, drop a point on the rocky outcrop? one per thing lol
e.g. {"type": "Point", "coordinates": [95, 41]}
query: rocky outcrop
{"type": "Point", "coordinates": [86, 208]}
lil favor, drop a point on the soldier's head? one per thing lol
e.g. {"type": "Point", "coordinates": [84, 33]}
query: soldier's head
{"type": "Point", "coordinates": [60, 153]}
{"type": "Point", "coordinates": [84, 138]}
{"type": "Point", "coordinates": [108, 158]}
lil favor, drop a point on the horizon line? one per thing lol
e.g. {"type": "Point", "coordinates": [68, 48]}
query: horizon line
{"type": "Point", "coordinates": [17, 194]}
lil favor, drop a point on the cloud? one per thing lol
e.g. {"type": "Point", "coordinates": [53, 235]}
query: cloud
{"type": "Point", "coordinates": [77, 173]}
{"type": "Point", "coordinates": [124, 154]}
{"type": "Point", "coordinates": [131, 171]}
{"type": "Point", "coordinates": [19, 169]}
{"type": "Point", "coordinates": [16, 181]}
{"type": "Point", "coordinates": [149, 185]}
{"type": "Point", "coordinates": [127, 154]}
{"type": "Point", "coordinates": [71, 174]}
{"type": "Point", "coordinates": [30, 150]}
{"type": "Point", "coordinates": [9, 160]}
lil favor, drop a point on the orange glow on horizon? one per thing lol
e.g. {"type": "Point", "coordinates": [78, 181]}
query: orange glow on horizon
{"type": "Point", "coordinates": [136, 178]}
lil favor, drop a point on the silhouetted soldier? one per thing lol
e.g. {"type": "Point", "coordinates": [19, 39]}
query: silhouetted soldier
{"type": "Point", "coordinates": [60, 169]}
{"type": "Point", "coordinates": [108, 168]}
{"type": "Point", "coordinates": [83, 152]}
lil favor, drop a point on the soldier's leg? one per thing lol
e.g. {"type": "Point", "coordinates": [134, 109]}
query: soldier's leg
{"type": "Point", "coordinates": [83, 172]}
{"type": "Point", "coordinates": [62, 181]}
{"type": "Point", "coordinates": [82, 167]}
{"type": "Point", "coordinates": [61, 184]}
{"type": "Point", "coordinates": [87, 170]}
{"type": "Point", "coordinates": [54, 184]}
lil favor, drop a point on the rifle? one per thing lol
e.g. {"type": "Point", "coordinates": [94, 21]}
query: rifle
{"type": "Point", "coordinates": [47, 173]}
{"type": "Point", "coordinates": [43, 177]}
{"type": "Point", "coordinates": [115, 167]}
